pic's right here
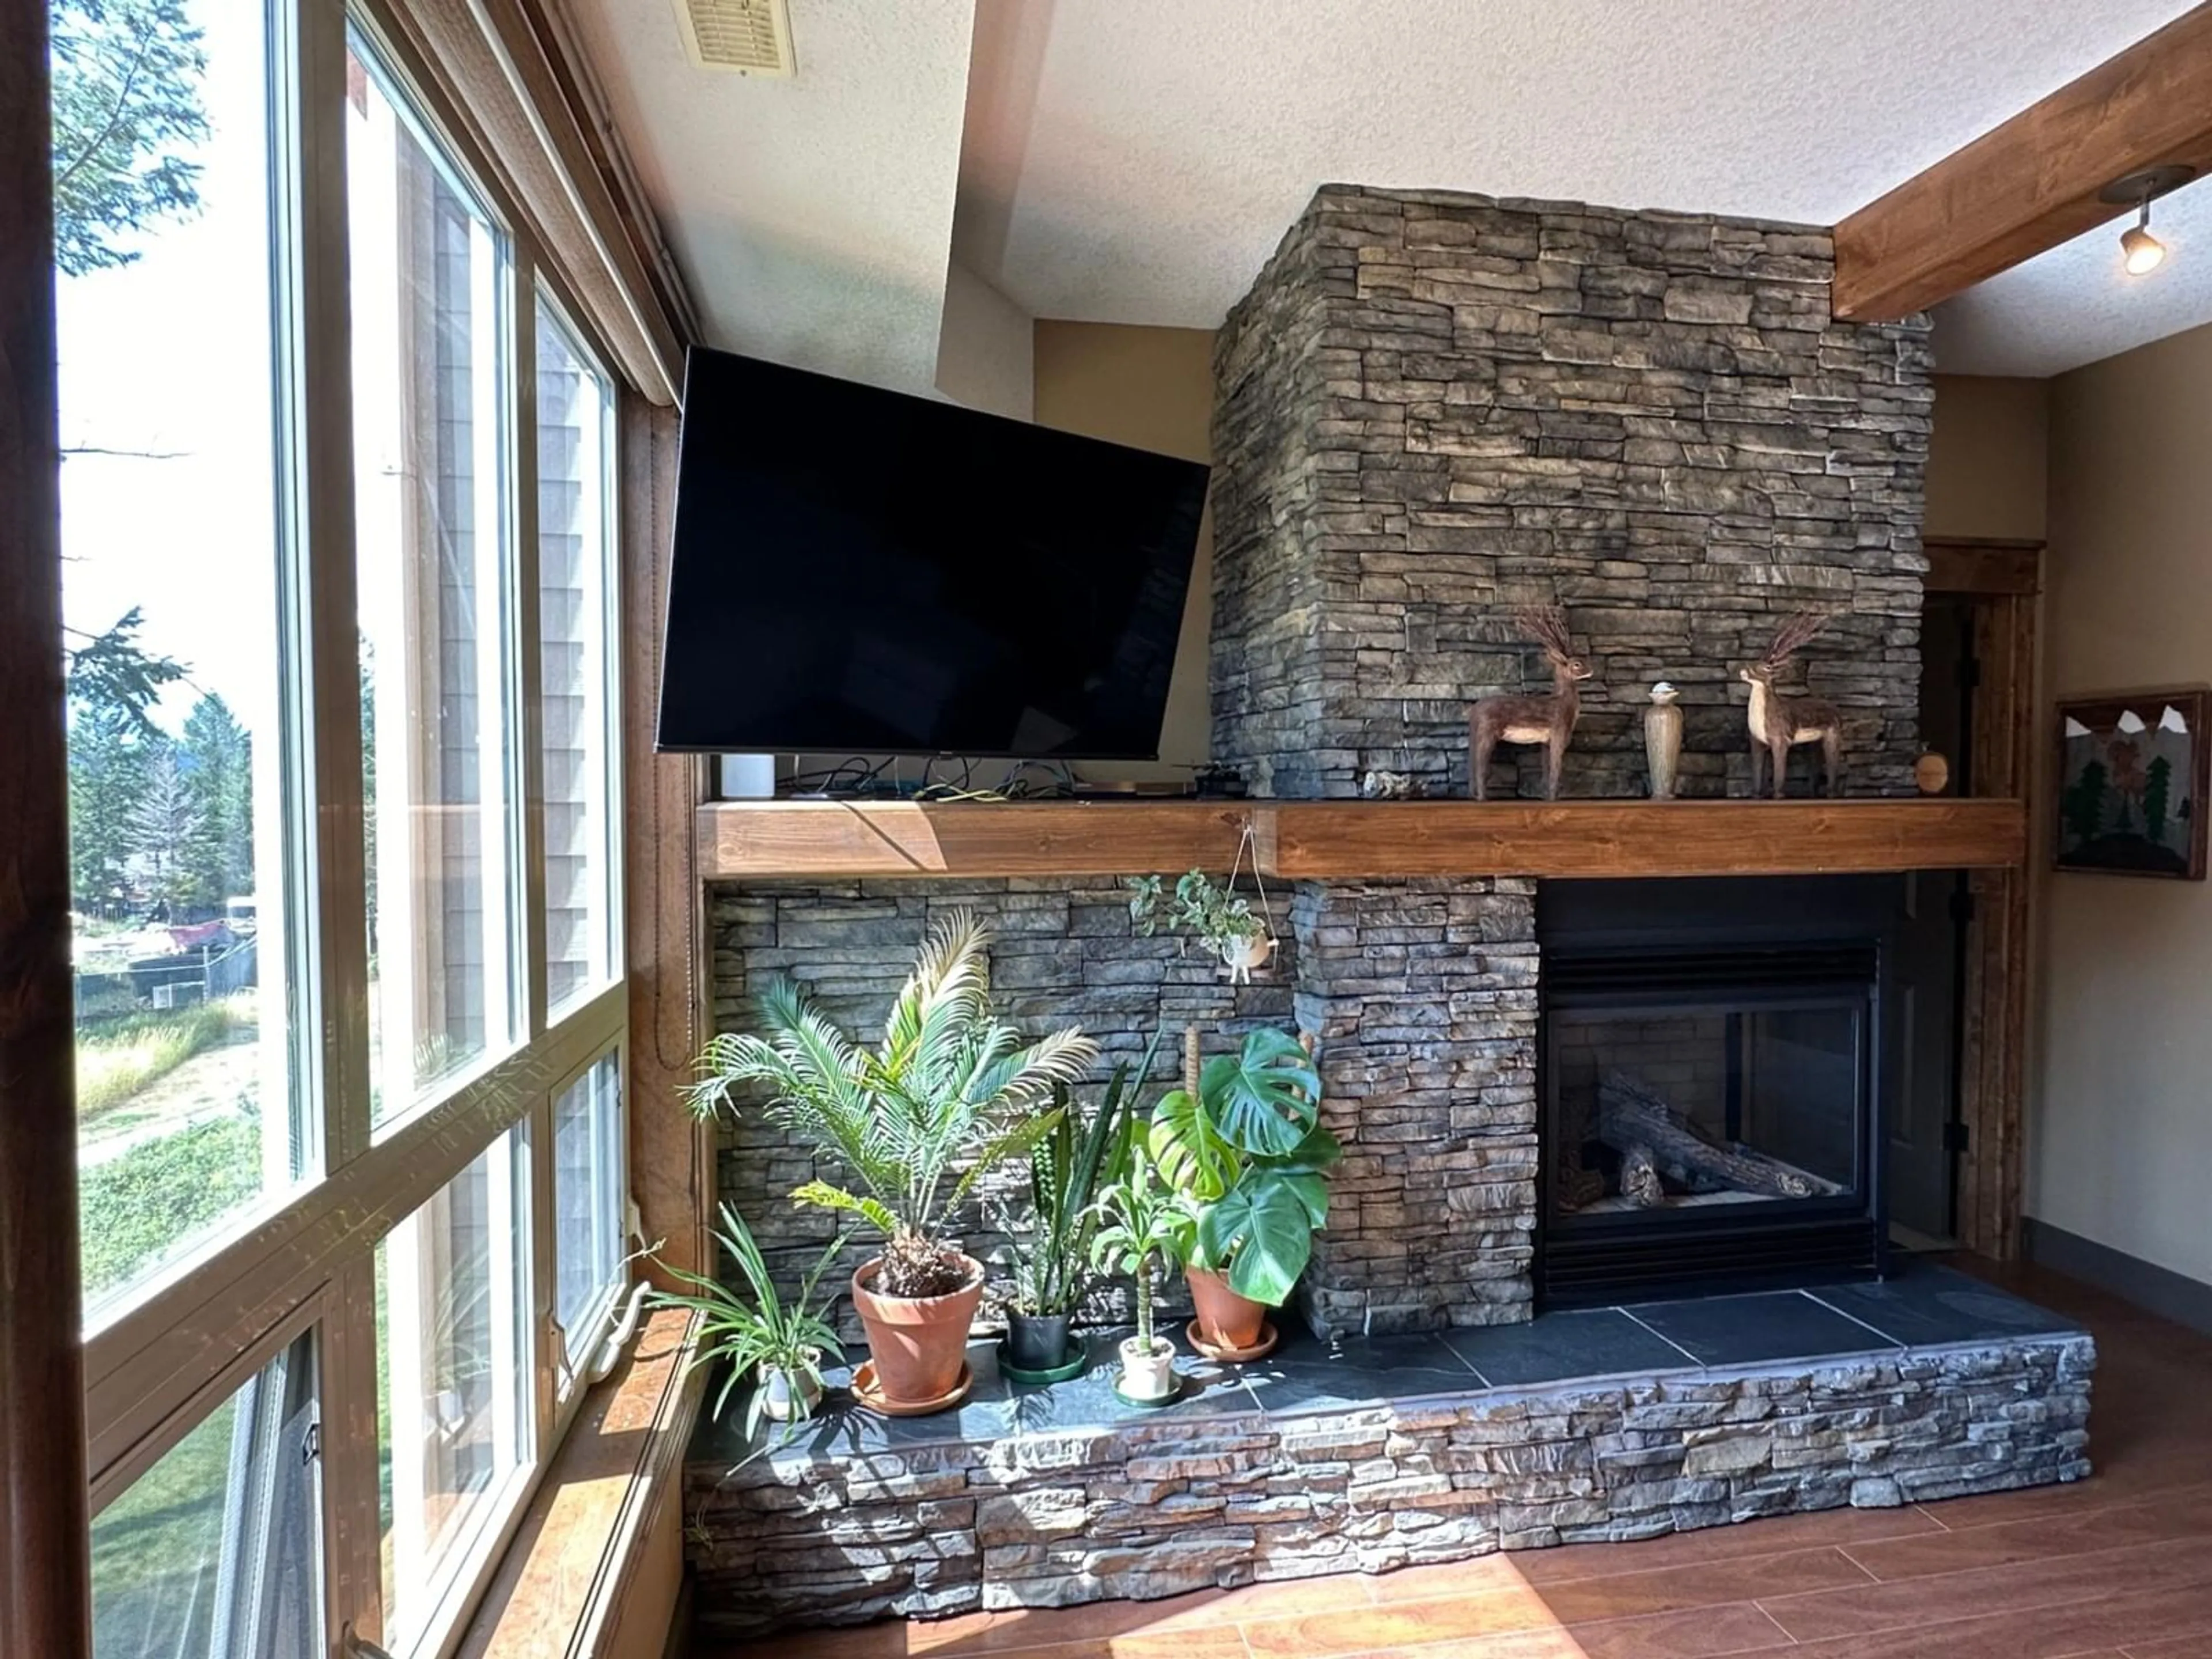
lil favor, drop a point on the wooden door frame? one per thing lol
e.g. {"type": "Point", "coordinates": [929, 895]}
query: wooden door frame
{"type": "Point", "coordinates": [2003, 577]}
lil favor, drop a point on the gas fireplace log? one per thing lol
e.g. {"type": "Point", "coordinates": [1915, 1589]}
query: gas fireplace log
{"type": "Point", "coordinates": [1630, 1116]}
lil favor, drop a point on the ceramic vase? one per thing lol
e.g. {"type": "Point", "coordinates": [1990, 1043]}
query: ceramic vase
{"type": "Point", "coordinates": [790, 1395]}
{"type": "Point", "coordinates": [1663, 740]}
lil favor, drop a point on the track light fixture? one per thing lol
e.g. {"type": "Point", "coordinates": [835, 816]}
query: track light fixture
{"type": "Point", "coordinates": [2141, 253]}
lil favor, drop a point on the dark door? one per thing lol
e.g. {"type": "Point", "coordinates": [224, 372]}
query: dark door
{"type": "Point", "coordinates": [1931, 945]}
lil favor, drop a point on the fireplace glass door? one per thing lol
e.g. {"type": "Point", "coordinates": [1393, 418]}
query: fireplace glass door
{"type": "Point", "coordinates": [1707, 1117]}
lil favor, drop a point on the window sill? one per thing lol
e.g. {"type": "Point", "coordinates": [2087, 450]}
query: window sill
{"type": "Point", "coordinates": [596, 1559]}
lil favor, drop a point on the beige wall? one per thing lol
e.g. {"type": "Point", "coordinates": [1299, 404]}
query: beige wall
{"type": "Point", "coordinates": [1986, 458]}
{"type": "Point", "coordinates": [2120, 1096]}
{"type": "Point", "coordinates": [1152, 388]}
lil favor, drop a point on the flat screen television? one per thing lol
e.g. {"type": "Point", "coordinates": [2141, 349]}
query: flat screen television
{"type": "Point", "coordinates": [864, 572]}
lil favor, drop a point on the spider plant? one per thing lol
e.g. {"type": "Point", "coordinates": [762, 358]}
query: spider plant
{"type": "Point", "coordinates": [949, 1095]}
{"type": "Point", "coordinates": [778, 1343]}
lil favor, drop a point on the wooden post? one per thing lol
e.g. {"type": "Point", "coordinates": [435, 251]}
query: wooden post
{"type": "Point", "coordinates": [45, 1517]}
{"type": "Point", "coordinates": [672, 1153]}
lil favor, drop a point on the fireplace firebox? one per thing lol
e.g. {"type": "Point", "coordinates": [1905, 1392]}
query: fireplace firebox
{"type": "Point", "coordinates": [1711, 1066]}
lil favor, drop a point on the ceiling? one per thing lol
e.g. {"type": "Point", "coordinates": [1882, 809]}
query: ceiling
{"type": "Point", "coordinates": [1136, 161]}
{"type": "Point", "coordinates": [809, 216]}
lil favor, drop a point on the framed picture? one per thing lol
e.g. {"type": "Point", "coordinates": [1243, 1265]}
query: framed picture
{"type": "Point", "coordinates": [2132, 783]}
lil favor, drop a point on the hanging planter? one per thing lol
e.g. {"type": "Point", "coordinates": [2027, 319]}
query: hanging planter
{"type": "Point", "coordinates": [1222, 919]}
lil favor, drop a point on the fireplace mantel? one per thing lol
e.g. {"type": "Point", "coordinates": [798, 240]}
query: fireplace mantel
{"type": "Point", "coordinates": [757, 841]}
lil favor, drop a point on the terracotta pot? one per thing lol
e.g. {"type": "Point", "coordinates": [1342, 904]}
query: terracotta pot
{"type": "Point", "coordinates": [1147, 1373]}
{"type": "Point", "coordinates": [918, 1342]}
{"type": "Point", "coordinates": [1225, 1319]}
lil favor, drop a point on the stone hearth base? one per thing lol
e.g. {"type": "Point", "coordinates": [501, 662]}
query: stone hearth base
{"type": "Point", "coordinates": [1048, 1498]}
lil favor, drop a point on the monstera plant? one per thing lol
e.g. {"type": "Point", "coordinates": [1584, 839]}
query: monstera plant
{"type": "Point", "coordinates": [1247, 1150]}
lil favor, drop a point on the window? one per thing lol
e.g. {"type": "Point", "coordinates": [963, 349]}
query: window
{"type": "Point", "coordinates": [340, 513]}
{"type": "Point", "coordinates": [587, 1207]}
{"type": "Point", "coordinates": [212, 1553]}
{"type": "Point", "coordinates": [575, 592]}
{"type": "Point", "coordinates": [453, 1400]}
{"type": "Point", "coordinates": [175, 580]}
{"type": "Point", "coordinates": [431, 551]}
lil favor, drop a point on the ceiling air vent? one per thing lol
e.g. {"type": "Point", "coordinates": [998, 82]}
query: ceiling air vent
{"type": "Point", "coordinates": [750, 36]}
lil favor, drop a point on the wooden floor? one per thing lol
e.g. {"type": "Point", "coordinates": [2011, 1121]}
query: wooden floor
{"type": "Point", "coordinates": [2118, 1567]}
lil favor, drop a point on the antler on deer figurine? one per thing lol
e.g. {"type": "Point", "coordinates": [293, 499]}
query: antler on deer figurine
{"type": "Point", "coordinates": [1549, 720]}
{"type": "Point", "coordinates": [1777, 723]}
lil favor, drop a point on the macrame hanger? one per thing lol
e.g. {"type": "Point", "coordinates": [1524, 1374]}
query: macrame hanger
{"type": "Point", "coordinates": [1241, 972]}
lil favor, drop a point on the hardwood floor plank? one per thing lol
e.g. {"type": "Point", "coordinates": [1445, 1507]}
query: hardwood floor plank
{"type": "Point", "coordinates": [1571, 1562]}
{"type": "Point", "coordinates": [2175, 1566]}
{"type": "Point", "coordinates": [1427, 1584]}
{"type": "Point", "coordinates": [1406, 1624]}
{"type": "Point", "coordinates": [2074, 1631]}
{"type": "Point", "coordinates": [2043, 1537]}
{"type": "Point", "coordinates": [1703, 1584]}
{"type": "Point", "coordinates": [1700, 1633]}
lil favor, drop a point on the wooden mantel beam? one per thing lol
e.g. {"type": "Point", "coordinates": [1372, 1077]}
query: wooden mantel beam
{"type": "Point", "coordinates": [2032, 183]}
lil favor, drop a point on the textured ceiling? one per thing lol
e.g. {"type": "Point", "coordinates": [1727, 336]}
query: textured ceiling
{"type": "Point", "coordinates": [1135, 161]}
{"type": "Point", "coordinates": [812, 217]}
{"type": "Point", "coordinates": [2075, 304]}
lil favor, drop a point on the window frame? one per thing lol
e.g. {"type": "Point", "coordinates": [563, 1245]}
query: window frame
{"type": "Point", "coordinates": [158, 1362]}
{"type": "Point", "coordinates": [570, 1351]}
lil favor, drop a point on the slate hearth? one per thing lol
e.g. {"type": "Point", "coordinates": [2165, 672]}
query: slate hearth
{"type": "Point", "coordinates": [1370, 1454]}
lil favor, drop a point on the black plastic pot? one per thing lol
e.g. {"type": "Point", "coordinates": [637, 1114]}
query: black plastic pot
{"type": "Point", "coordinates": [1036, 1342]}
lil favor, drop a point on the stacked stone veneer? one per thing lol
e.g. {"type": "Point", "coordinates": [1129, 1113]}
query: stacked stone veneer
{"type": "Point", "coordinates": [1433, 407]}
{"type": "Point", "coordinates": [1063, 954]}
{"type": "Point", "coordinates": [1155, 1508]}
{"type": "Point", "coordinates": [1422, 995]}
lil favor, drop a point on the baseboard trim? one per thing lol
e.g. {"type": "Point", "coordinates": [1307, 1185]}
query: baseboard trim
{"type": "Point", "coordinates": [2154, 1289]}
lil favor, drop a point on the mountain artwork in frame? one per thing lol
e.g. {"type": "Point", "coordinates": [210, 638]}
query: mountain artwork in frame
{"type": "Point", "coordinates": [2133, 783]}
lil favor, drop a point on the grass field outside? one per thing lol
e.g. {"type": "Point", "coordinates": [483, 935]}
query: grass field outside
{"type": "Point", "coordinates": [118, 1060]}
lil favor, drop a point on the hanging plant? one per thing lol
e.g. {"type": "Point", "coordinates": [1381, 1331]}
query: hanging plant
{"type": "Point", "coordinates": [1222, 918]}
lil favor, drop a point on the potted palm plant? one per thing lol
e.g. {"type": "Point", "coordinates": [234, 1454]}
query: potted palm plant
{"type": "Point", "coordinates": [1242, 1141]}
{"type": "Point", "coordinates": [776, 1344]}
{"type": "Point", "coordinates": [949, 1095]}
{"type": "Point", "coordinates": [1146, 1223]}
{"type": "Point", "coordinates": [1051, 1256]}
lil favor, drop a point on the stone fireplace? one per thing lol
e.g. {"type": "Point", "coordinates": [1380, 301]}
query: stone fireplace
{"type": "Point", "coordinates": [1430, 409]}
{"type": "Point", "coordinates": [1434, 407]}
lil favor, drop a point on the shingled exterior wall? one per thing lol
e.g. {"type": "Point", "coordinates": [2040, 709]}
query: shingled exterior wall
{"type": "Point", "coordinates": [1434, 407]}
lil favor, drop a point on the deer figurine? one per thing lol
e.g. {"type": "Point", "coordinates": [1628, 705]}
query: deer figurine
{"type": "Point", "coordinates": [1778, 723]}
{"type": "Point", "coordinates": [1549, 720]}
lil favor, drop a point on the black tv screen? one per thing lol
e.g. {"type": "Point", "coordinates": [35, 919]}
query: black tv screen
{"type": "Point", "coordinates": [861, 571]}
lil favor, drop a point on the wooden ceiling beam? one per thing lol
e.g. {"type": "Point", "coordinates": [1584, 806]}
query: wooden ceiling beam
{"type": "Point", "coordinates": [2032, 183]}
